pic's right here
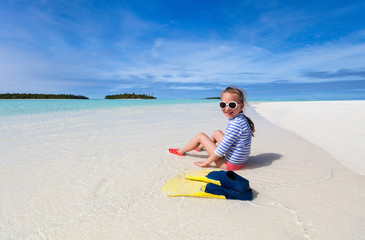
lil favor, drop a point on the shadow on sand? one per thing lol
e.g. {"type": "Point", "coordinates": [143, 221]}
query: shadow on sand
{"type": "Point", "coordinates": [262, 160]}
{"type": "Point", "coordinates": [258, 161]}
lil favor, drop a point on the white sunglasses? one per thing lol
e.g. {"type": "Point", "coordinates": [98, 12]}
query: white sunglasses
{"type": "Point", "coordinates": [231, 105]}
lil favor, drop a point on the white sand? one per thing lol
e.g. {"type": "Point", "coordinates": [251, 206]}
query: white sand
{"type": "Point", "coordinates": [335, 126]}
{"type": "Point", "coordinates": [98, 175]}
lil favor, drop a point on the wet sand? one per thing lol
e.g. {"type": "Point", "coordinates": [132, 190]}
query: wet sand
{"type": "Point", "coordinates": [98, 174]}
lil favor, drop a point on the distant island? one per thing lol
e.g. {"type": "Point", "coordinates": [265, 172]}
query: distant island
{"type": "Point", "coordinates": [129, 96]}
{"type": "Point", "coordinates": [213, 98]}
{"type": "Point", "coordinates": [40, 96]}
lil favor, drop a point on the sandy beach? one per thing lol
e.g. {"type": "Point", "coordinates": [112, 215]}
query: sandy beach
{"type": "Point", "coordinates": [335, 126]}
{"type": "Point", "coordinates": [97, 174]}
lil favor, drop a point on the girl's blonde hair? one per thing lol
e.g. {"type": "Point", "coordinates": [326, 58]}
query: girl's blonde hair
{"type": "Point", "coordinates": [242, 99]}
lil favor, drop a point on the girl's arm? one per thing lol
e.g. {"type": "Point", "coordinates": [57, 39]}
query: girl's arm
{"type": "Point", "coordinates": [206, 163]}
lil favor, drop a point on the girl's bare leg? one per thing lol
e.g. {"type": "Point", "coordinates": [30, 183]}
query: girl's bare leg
{"type": "Point", "coordinates": [200, 139]}
{"type": "Point", "coordinates": [216, 137]}
{"type": "Point", "coordinates": [209, 144]}
{"type": "Point", "coordinates": [221, 163]}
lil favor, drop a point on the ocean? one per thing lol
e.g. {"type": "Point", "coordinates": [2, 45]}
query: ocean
{"type": "Point", "coordinates": [35, 106]}
{"type": "Point", "coordinates": [14, 107]}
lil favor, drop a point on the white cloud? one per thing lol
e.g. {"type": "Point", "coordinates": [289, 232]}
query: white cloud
{"type": "Point", "coordinates": [226, 61]}
{"type": "Point", "coordinates": [328, 57]}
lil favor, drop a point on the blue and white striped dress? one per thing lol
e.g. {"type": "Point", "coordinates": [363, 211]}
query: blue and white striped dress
{"type": "Point", "coordinates": [236, 143]}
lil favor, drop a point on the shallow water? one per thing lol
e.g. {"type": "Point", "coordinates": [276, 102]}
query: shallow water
{"type": "Point", "coordinates": [34, 106]}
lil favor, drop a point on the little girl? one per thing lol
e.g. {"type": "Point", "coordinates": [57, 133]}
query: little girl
{"type": "Point", "coordinates": [233, 147]}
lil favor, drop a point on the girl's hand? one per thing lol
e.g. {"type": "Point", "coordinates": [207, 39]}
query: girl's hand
{"type": "Point", "coordinates": [201, 164]}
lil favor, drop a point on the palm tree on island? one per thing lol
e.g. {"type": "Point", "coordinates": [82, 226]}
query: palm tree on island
{"type": "Point", "coordinates": [130, 96]}
{"type": "Point", "coordinates": [40, 96]}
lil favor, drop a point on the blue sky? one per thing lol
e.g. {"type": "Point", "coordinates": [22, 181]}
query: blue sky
{"type": "Point", "coordinates": [184, 49]}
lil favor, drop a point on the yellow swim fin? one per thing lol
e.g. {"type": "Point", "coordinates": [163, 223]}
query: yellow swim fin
{"type": "Point", "coordinates": [201, 184]}
{"type": "Point", "coordinates": [180, 186]}
{"type": "Point", "coordinates": [201, 175]}
{"type": "Point", "coordinates": [226, 179]}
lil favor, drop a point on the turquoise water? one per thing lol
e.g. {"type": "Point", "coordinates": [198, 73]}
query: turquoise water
{"type": "Point", "coordinates": [35, 106]}
{"type": "Point", "coordinates": [32, 106]}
